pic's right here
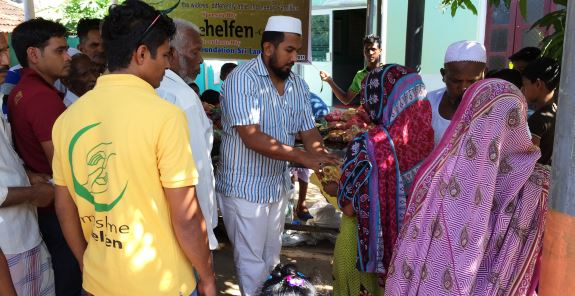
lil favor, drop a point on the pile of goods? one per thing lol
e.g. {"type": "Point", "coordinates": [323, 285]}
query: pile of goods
{"type": "Point", "coordinates": [341, 126]}
{"type": "Point", "coordinates": [330, 174]}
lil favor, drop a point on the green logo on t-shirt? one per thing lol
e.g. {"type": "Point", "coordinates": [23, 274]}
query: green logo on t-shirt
{"type": "Point", "coordinates": [97, 162]}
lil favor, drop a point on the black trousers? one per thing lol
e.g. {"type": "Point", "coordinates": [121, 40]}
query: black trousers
{"type": "Point", "coordinates": [67, 274]}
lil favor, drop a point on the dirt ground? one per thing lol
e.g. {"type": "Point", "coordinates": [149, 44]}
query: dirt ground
{"type": "Point", "coordinates": [314, 261]}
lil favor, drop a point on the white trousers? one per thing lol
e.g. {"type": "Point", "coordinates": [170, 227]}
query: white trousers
{"type": "Point", "coordinates": [255, 231]}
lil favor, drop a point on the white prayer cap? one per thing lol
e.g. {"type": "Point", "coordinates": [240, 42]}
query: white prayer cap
{"type": "Point", "coordinates": [466, 51]}
{"type": "Point", "coordinates": [282, 23]}
{"type": "Point", "coordinates": [73, 51]}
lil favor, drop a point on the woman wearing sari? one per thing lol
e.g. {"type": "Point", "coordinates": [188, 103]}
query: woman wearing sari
{"type": "Point", "coordinates": [377, 173]}
{"type": "Point", "coordinates": [475, 220]}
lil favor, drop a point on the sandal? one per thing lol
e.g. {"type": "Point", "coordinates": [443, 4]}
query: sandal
{"type": "Point", "coordinates": [304, 216]}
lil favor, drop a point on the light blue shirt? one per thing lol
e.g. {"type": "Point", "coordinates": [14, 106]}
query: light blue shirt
{"type": "Point", "coordinates": [249, 97]}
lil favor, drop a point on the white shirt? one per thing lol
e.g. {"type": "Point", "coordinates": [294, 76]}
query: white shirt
{"type": "Point", "coordinates": [70, 98]}
{"type": "Point", "coordinates": [18, 224]}
{"type": "Point", "coordinates": [175, 90]}
{"type": "Point", "coordinates": [438, 123]}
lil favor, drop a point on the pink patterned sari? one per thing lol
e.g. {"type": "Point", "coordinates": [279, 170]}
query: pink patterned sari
{"type": "Point", "coordinates": [475, 220]}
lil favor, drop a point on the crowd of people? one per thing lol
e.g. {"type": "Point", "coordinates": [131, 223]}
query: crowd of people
{"type": "Point", "coordinates": [447, 194]}
{"type": "Point", "coordinates": [107, 185]}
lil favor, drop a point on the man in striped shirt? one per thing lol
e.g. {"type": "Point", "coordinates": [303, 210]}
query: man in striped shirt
{"type": "Point", "coordinates": [264, 105]}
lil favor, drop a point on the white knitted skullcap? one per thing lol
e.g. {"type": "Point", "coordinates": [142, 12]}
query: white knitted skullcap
{"type": "Point", "coordinates": [466, 51]}
{"type": "Point", "coordinates": [282, 23]}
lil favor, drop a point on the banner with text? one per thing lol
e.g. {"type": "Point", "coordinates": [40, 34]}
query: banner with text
{"type": "Point", "coordinates": [232, 29]}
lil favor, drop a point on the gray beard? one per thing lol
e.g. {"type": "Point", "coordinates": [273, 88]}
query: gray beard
{"type": "Point", "coordinates": [188, 79]}
{"type": "Point", "coordinates": [183, 71]}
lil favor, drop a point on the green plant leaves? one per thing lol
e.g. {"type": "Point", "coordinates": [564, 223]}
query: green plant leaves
{"type": "Point", "coordinates": [554, 22]}
{"type": "Point", "coordinates": [74, 10]}
{"type": "Point", "coordinates": [469, 5]}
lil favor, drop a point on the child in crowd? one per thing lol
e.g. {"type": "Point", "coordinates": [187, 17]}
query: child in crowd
{"type": "Point", "coordinates": [226, 69]}
{"type": "Point", "coordinates": [285, 280]}
{"type": "Point", "coordinates": [211, 97]}
{"type": "Point", "coordinates": [301, 175]}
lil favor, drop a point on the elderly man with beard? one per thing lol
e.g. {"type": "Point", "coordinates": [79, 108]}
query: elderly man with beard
{"type": "Point", "coordinates": [185, 61]}
{"type": "Point", "coordinates": [264, 106]}
{"type": "Point", "coordinates": [464, 64]}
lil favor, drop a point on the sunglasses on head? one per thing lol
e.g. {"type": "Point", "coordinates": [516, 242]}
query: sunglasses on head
{"type": "Point", "coordinates": [148, 29]}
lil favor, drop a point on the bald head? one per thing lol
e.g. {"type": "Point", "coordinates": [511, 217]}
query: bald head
{"type": "Point", "coordinates": [83, 74]}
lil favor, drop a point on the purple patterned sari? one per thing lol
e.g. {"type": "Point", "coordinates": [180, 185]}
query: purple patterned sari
{"type": "Point", "coordinates": [475, 220]}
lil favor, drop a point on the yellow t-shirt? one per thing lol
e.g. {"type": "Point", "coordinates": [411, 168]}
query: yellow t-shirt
{"type": "Point", "coordinates": [115, 149]}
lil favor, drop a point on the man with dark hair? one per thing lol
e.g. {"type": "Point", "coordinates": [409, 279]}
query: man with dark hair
{"type": "Point", "coordinates": [540, 81]}
{"type": "Point", "coordinates": [524, 56]}
{"type": "Point", "coordinates": [211, 97]}
{"type": "Point", "coordinates": [464, 64]}
{"type": "Point", "coordinates": [88, 31]}
{"type": "Point", "coordinates": [371, 53]}
{"type": "Point", "coordinates": [511, 75]}
{"type": "Point", "coordinates": [195, 87]}
{"type": "Point", "coordinates": [34, 104]}
{"type": "Point", "coordinates": [30, 271]}
{"type": "Point", "coordinates": [125, 174]}
{"type": "Point", "coordinates": [264, 105]}
{"type": "Point", "coordinates": [226, 69]}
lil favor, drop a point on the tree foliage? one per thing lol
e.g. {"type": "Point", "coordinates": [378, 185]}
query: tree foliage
{"type": "Point", "coordinates": [74, 10]}
{"type": "Point", "coordinates": [554, 22]}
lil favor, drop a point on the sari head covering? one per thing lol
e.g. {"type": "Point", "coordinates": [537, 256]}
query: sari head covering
{"type": "Point", "coordinates": [380, 164]}
{"type": "Point", "coordinates": [475, 220]}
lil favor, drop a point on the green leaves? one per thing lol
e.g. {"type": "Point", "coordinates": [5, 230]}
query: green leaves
{"type": "Point", "coordinates": [552, 45]}
{"type": "Point", "coordinates": [456, 4]}
{"type": "Point", "coordinates": [555, 19]}
{"type": "Point", "coordinates": [454, 7]}
{"type": "Point", "coordinates": [74, 10]}
{"type": "Point", "coordinates": [554, 22]}
{"type": "Point", "coordinates": [469, 5]}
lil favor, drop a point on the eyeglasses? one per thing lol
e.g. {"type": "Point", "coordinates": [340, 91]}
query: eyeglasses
{"type": "Point", "coordinates": [148, 29]}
